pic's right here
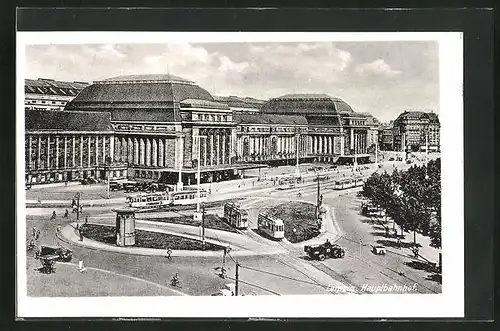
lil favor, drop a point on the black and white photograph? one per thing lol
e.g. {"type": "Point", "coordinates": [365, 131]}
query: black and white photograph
{"type": "Point", "coordinates": [239, 174]}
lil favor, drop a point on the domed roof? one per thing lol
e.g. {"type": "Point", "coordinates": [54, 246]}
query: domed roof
{"type": "Point", "coordinates": [137, 91]}
{"type": "Point", "coordinates": [306, 104]}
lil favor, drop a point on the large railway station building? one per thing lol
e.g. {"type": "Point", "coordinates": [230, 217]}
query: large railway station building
{"type": "Point", "coordinates": [161, 127]}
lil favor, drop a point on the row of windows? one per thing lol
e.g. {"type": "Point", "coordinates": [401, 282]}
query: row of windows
{"type": "Point", "coordinates": [46, 102]}
{"type": "Point", "coordinates": [212, 118]}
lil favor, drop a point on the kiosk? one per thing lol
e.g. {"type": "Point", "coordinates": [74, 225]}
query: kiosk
{"type": "Point", "coordinates": [125, 226]}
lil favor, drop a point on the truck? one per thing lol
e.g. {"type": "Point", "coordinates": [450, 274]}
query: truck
{"type": "Point", "coordinates": [322, 251]}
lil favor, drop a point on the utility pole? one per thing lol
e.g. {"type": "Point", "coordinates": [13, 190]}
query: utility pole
{"type": "Point", "coordinates": [107, 166]}
{"type": "Point", "coordinates": [77, 206]}
{"type": "Point", "coordinates": [203, 228]}
{"type": "Point", "coordinates": [297, 169]}
{"type": "Point", "coordinates": [237, 279]}
{"type": "Point", "coordinates": [318, 198]}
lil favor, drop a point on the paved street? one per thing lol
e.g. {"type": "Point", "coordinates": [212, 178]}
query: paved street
{"type": "Point", "coordinates": [270, 267]}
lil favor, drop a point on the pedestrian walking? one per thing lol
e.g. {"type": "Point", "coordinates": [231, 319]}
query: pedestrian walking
{"type": "Point", "coordinates": [66, 215]}
{"type": "Point", "coordinates": [37, 234]}
{"type": "Point", "coordinates": [86, 219]}
{"type": "Point", "coordinates": [54, 216]}
{"type": "Point", "coordinates": [59, 228]}
{"type": "Point", "coordinates": [81, 235]}
{"type": "Point", "coordinates": [34, 232]}
{"type": "Point", "coordinates": [169, 253]}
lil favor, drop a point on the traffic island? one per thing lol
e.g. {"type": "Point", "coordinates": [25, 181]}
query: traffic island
{"type": "Point", "coordinates": [146, 239]}
{"type": "Point", "coordinates": [299, 219]}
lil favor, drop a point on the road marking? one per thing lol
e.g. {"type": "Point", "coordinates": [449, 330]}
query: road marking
{"type": "Point", "coordinates": [128, 276]}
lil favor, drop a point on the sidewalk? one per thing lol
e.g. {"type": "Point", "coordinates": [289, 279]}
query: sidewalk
{"type": "Point", "coordinates": [68, 234]}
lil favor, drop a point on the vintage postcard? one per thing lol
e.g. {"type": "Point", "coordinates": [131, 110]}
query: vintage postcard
{"type": "Point", "coordinates": [239, 174]}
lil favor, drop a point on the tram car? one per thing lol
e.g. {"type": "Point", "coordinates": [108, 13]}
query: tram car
{"type": "Point", "coordinates": [343, 184]}
{"type": "Point", "coordinates": [187, 197]}
{"type": "Point", "coordinates": [287, 183]}
{"type": "Point", "coordinates": [149, 200]}
{"type": "Point", "coordinates": [271, 226]}
{"type": "Point", "coordinates": [236, 216]}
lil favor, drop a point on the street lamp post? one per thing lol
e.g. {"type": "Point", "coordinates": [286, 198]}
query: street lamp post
{"type": "Point", "coordinates": [297, 150]}
{"type": "Point", "coordinates": [199, 171]}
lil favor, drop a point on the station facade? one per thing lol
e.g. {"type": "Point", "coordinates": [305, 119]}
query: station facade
{"type": "Point", "coordinates": [162, 127]}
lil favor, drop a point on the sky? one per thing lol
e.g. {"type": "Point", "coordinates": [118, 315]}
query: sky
{"type": "Point", "coordinates": [382, 78]}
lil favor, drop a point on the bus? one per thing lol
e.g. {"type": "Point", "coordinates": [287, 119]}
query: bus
{"type": "Point", "coordinates": [235, 215]}
{"type": "Point", "coordinates": [271, 226]}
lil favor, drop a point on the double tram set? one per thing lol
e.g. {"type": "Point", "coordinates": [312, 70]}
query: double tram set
{"type": "Point", "coordinates": [237, 217]}
{"type": "Point", "coordinates": [165, 199]}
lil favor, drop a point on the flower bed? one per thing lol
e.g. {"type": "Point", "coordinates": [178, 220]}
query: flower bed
{"type": "Point", "coordinates": [299, 216]}
{"type": "Point", "coordinates": [211, 222]}
{"type": "Point", "coordinates": [146, 239]}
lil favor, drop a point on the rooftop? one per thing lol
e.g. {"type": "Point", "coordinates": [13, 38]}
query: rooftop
{"type": "Point", "coordinates": [269, 119]}
{"type": "Point", "coordinates": [158, 78]}
{"type": "Point", "coordinates": [53, 87]}
{"type": "Point", "coordinates": [310, 104]}
{"type": "Point", "coordinates": [66, 121]}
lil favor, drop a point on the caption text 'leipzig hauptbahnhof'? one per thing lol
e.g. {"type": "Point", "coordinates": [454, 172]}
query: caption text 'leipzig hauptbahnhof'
{"type": "Point", "coordinates": [158, 127]}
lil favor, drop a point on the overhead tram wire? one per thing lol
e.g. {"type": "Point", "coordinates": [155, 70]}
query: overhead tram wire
{"type": "Point", "coordinates": [283, 276]}
{"type": "Point", "coordinates": [253, 285]}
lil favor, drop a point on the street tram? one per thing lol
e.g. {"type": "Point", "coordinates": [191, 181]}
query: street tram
{"type": "Point", "coordinates": [149, 200]}
{"type": "Point", "coordinates": [187, 197]}
{"type": "Point", "coordinates": [271, 226]}
{"type": "Point", "coordinates": [236, 216]}
{"type": "Point", "coordinates": [346, 183]}
{"type": "Point", "coordinates": [164, 199]}
{"type": "Point", "coordinates": [287, 183]}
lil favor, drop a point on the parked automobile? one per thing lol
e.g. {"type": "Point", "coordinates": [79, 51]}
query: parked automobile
{"type": "Point", "coordinates": [115, 186]}
{"type": "Point", "coordinates": [88, 181]}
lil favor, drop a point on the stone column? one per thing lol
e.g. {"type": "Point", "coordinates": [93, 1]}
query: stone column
{"type": "Point", "coordinates": [124, 150]}
{"type": "Point", "coordinates": [96, 149]}
{"type": "Point", "coordinates": [218, 148]}
{"type": "Point", "coordinates": [136, 151]}
{"type": "Point", "coordinates": [165, 152]}
{"type": "Point", "coordinates": [81, 151]}
{"type": "Point", "coordinates": [88, 151]}
{"type": "Point", "coordinates": [315, 145]}
{"type": "Point", "coordinates": [39, 152]}
{"type": "Point", "coordinates": [104, 149]}
{"type": "Point", "coordinates": [57, 152]}
{"type": "Point", "coordinates": [342, 142]}
{"type": "Point", "coordinates": [142, 150]}
{"type": "Point", "coordinates": [205, 150]}
{"type": "Point", "coordinates": [154, 160]}
{"type": "Point", "coordinates": [148, 151]}
{"type": "Point", "coordinates": [30, 162]}
{"type": "Point", "coordinates": [233, 145]}
{"type": "Point", "coordinates": [320, 144]}
{"type": "Point", "coordinates": [65, 165]}
{"type": "Point", "coordinates": [48, 152]}
{"type": "Point", "coordinates": [223, 148]}
{"type": "Point", "coordinates": [211, 148]}
{"type": "Point", "coordinates": [352, 138]}
{"type": "Point", "coordinates": [73, 144]}
{"type": "Point", "coordinates": [161, 155]}
{"type": "Point", "coordinates": [112, 147]}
